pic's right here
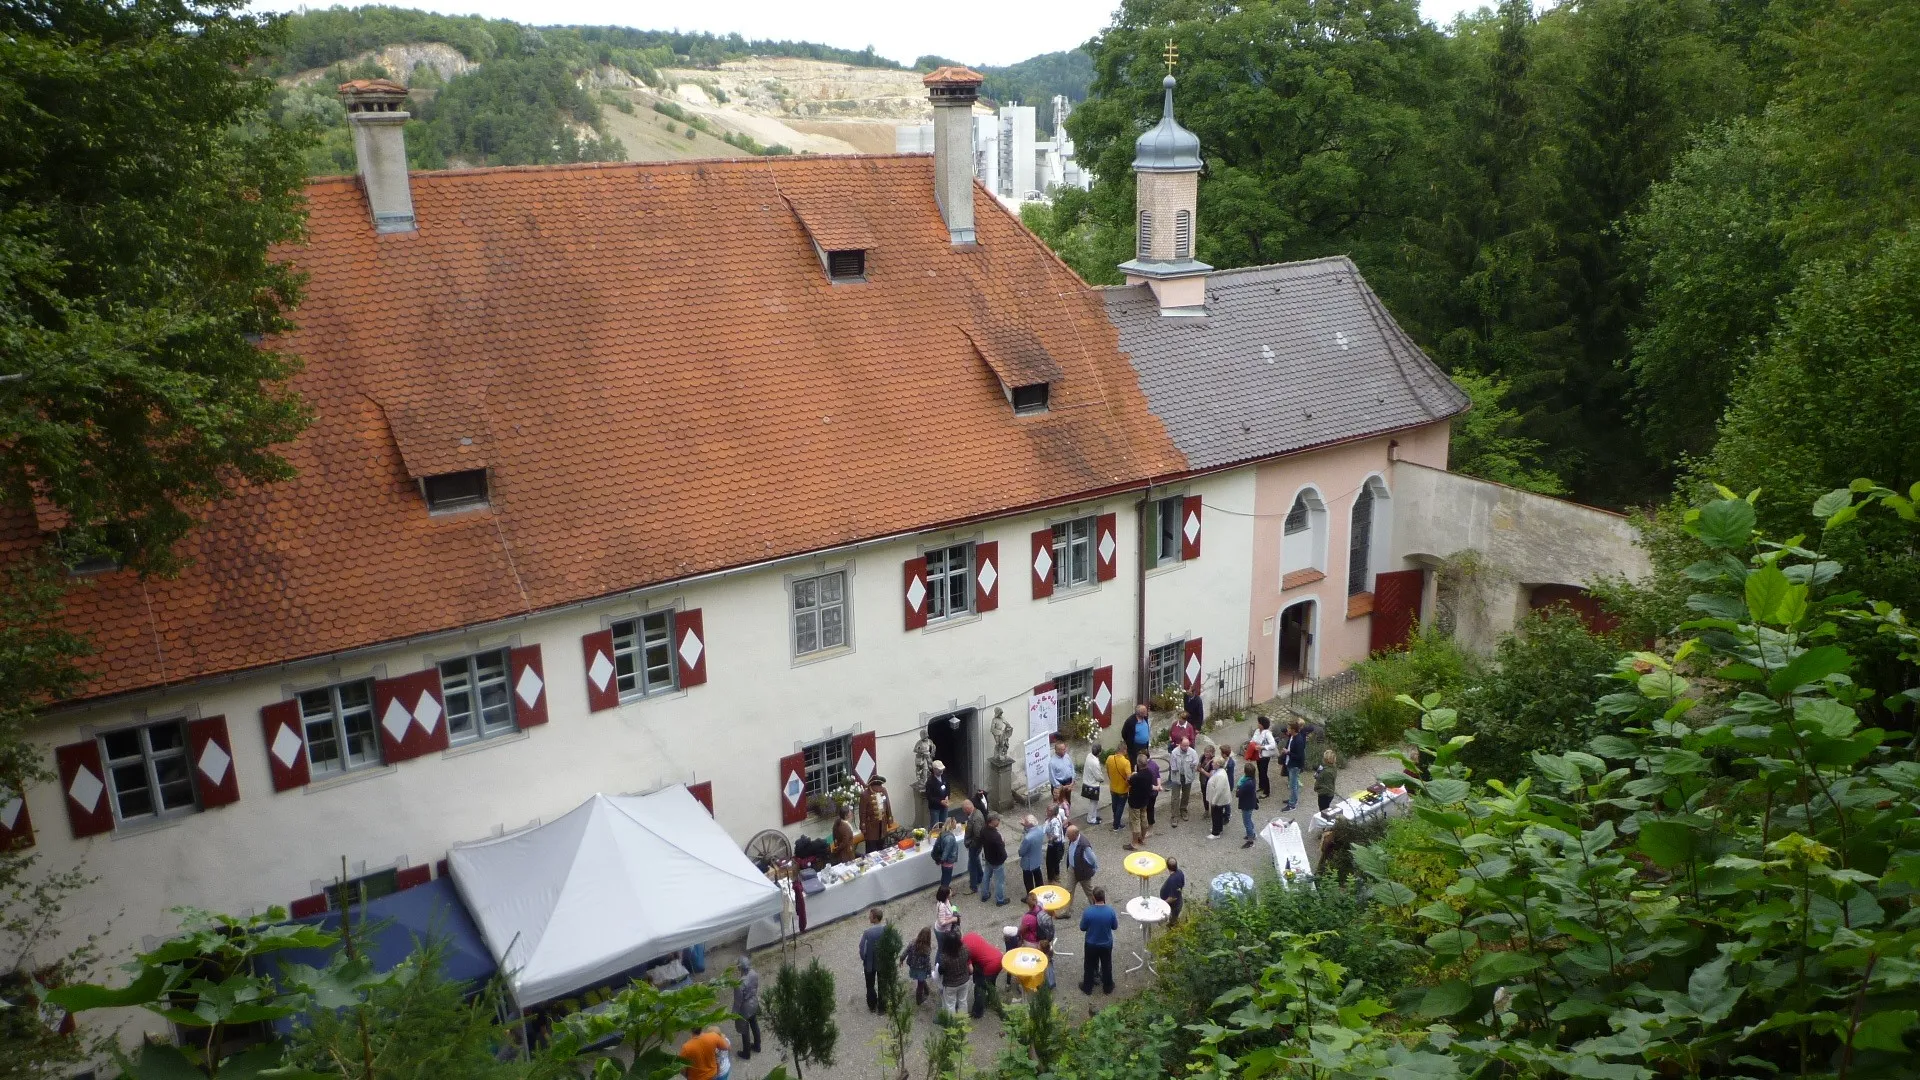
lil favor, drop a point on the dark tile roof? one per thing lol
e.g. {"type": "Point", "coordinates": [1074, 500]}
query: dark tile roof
{"type": "Point", "coordinates": [1288, 357]}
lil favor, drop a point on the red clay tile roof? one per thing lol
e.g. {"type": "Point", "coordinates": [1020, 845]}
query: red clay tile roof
{"type": "Point", "coordinates": [953, 74]}
{"type": "Point", "coordinates": [654, 365]}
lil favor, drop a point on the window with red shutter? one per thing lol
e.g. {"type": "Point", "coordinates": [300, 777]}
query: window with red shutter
{"type": "Point", "coordinates": [308, 906]}
{"type": "Point", "coordinates": [84, 782]}
{"type": "Point", "coordinates": [597, 652]}
{"type": "Point", "coordinates": [915, 596]}
{"type": "Point", "coordinates": [16, 825]}
{"type": "Point", "coordinates": [986, 576]}
{"type": "Point", "coordinates": [1190, 527]}
{"type": "Point", "coordinates": [529, 683]}
{"type": "Point", "coordinates": [1106, 547]}
{"type": "Point", "coordinates": [409, 876]}
{"type": "Point", "coordinates": [1100, 701]}
{"type": "Point", "coordinates": [1042, 563]}
{"type": "Point", "coordinates": [793, 788]}
{"type": "Point", "coordinates": [690, 647]}
{"type": "Point", "coordinates": [410, 711]}
{"type": "Point", "coordinates": [211, 755]}
{"type": "Point", "coordinates": [1192, 675]}
{"type": "Point", "coordinates": [286, 749]}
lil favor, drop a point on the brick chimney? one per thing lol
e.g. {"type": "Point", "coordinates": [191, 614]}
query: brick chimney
{"type": "Point", "coordinates": [376, 114]}
{"type": "Point", "coordinates": [952, 91]}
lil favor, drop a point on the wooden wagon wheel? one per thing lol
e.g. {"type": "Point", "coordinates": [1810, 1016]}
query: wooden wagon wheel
{"type": "Point", "coordinates": [768, 847]}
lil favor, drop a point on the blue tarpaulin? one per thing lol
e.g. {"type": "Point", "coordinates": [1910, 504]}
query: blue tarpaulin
{"type": "Point", "coordinates": [397, 922]}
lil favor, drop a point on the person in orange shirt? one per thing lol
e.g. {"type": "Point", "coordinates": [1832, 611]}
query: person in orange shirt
{"type": "Point", "coordinates": [706, 1056]}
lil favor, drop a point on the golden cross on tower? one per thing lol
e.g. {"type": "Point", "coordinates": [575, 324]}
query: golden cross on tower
{"type": "Point", "coordinates": [1173, 56]}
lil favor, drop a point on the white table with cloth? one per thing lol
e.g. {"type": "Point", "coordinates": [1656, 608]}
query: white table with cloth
{"type": "Point", "coordinates": [876, 885]}
{"type": "Point", "coordinates": [1356, 808]}
{"type": "Point", "coordinates": [1289, 843]}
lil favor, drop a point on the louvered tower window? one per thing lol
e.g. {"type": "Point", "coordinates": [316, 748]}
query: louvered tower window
{"type": "Point", "coordinates": [1183, 234]}
{"type": "Point", "coordinates": [1146, 234]}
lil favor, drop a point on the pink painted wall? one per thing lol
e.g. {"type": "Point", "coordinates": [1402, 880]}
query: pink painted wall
{"type": "Point", "coordinates": [1337, 473]}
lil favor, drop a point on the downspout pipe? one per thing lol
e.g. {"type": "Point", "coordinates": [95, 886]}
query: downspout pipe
{"type": "Point", "coordinates": [1140, 596]}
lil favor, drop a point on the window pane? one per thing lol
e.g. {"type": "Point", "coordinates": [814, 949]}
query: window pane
{"type": "Point", "coordinates": [833, 632]}
{"type": "Point", "coordinates": [805, 594]}
{"type": "Point", "coordinates": [131, 791]}
{"type": "Point", "coordinates": [457, 690]}
{"type": "Point", "coordinates": [831, 587]}
{"type": "Point", "coordinates": [496, 709]}
{"type": "Point", "coordinates": [323, 746]}
{"type": "Point", "coordinates": [363, 746]}
{"type": "Point", "coordinates": [176, 786]}
{"type": "Point", "coordinates": [163, 737]}
{"type": "Point", "coordinates": [806, 638]}
{"type": "Point", "coordinates": [122, 745]}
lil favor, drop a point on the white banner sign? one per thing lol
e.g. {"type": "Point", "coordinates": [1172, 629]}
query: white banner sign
{"type": "Point", "coordinates": [1039, 748]}
{"type": "Point", "coordinates": [1043, 714]}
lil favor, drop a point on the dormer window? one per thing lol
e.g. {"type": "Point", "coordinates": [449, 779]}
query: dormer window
{"type": "Point", "coordinates": [449, 492]}
{"type": "Point", "coordinates": [1030, 399]}
{"type": "Point", "coordinates": [847, 265]}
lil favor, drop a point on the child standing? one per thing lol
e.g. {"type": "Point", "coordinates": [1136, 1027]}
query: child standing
{"type": "Point", "coordinates": [919, 960]}
{"type": "Point", "coordinates": [1326, 779]}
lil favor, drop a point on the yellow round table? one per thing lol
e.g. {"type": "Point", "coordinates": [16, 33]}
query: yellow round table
{"type": "Point", "coordinates": [1027, 964]}
{"type": "Point", "coordinates": [1053, 898]}
{"type": "Point", "coordinates": [1143, 865]}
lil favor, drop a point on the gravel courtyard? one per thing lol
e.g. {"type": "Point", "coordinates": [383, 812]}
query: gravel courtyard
{"type": "Point", "coordinates": [858, 1054]}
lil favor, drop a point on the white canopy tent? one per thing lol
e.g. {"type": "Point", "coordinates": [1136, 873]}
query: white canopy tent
{"type": "Point", "coordinates": [617, 881]}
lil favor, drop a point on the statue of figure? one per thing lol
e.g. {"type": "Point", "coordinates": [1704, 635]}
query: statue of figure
{"type": "Point", "coordinates": [1002, 735]}
{"type": "Point", "coordinates": [923, 752]}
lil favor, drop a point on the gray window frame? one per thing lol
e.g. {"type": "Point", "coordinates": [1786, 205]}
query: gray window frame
{"type": "Point", "coordinates": [817, 612]}
{"type": "Point", "coordinates": [1079, 533]}
{"type": "Point", "coordinates": [475, 691]}
{"type": "Point", "coordinates": [1168, 514]}
{"type": "Point", "coordinates": [821, 768]}
{"type": "Point", "coordinates": [637, 680]}
{"type": "Point", "coordinates": [337, 716]}
{"type": "Point", "coordinates": [941, 583]}
{"type": "Point", "coordinates": [1074, 687]}
{"type": "Point", "coordinates": [1360, 541]}
{"type": "Point", "coordinates": [1160, 667]}
{"type": "Point", "coordinates": [150, 762]}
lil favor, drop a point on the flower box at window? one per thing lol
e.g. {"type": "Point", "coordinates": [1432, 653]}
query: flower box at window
{"type": "Point", "coordinates": [1163, 670]}
{"type": "Point", "coordinates": [949, 581]}
{"type": "Point", "coordinates": [819, 613]}
{"type": "Point", "coordinates": [828, 765]}
{"type": "Point", "coordinates": [643, 655]}
{"type": "Point", "coordinates": [339, 726]}
{"type": "Point", "coordinates": [148, 770]}
{"type": "Point", "coordinates": [479, 701]}
{"type": "Point", "coordinates": [1073, 553]}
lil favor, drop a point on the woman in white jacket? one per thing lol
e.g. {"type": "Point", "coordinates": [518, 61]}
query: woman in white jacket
{"type": "Point", "coordinates": [1092, 778]}
{"type": "Point", "coordinates": [1218, 795]}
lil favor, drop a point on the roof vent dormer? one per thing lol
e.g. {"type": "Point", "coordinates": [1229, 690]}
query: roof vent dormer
{"type": "Point", "coordinates": [841, 236]}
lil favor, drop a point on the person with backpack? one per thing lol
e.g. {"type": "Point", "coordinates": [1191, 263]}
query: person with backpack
{"type": "Point", "coordinates": [1037, 930]}
{"type": "Point", "coordinates": [1081, 858]}
{"type": "Point", "coordinates": [1249, 798]}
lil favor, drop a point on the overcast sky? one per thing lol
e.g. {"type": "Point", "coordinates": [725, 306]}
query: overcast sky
{"type": "Point", "coordinates": [995, 32]}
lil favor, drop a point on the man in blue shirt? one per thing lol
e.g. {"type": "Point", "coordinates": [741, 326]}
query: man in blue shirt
{"type": "Point", "coordinates": [1098, 922]}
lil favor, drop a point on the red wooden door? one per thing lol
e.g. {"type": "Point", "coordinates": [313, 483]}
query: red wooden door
{"type": "Point", "coordinates": [1396, 608]}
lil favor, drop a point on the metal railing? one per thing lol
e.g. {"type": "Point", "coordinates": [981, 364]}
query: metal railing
{"type": "Point", "coordinates": [1323, 699]}
{"type": "Point", "coordinates": [1231, 686]}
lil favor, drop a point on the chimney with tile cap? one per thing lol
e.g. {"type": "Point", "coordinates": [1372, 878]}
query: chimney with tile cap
{"type": "Point", "coordinates": [952, 91]}
{"type": "Point", "coordinates": [376, 113]}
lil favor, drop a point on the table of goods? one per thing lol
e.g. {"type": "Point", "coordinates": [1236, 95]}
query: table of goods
{"type": "Point", "coordinates": [1288, 841]}
{"type": "Point", "coordinates": [855, 886]}
{"type": "Point", "coordinates": [1360, 806]}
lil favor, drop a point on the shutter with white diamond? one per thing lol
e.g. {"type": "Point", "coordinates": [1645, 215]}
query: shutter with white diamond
{"type": "Point", "coordinates": [915, 572]}
{"type": "Point", "coordinates": [410, 714]}
{"type": "Point", "coordinates": [793, 788]}
{"type": "Point", "coordinates": [1042, 563]}
{"type": "Point", "coordinates": [1190, 527]}
{"type": "Point", "coordinates": [1191, 673]}
{"type": "Point", "coordinates": [1106, 547]}
{"type": "Point", "coordinates": [690, 648]}
{"type": "Point", "coordinates": [286, 748]}
{"type": "Point", "coordinates": [210, 754]}
{"type": "Point", "coordinates": [84, 782]}
{"type": "Point", "coordinates": [1100, 698]}
{"type": "Point", "coordinates": [16, 825]}
{"type": "Point", "coordinates": [986, 576]}
{"type": "Point", "coordinates": [703, 793]}
{"type": "Point", "coordinates": [529, 686]}
{"type": "Point", "coordinates": [603, 690]}
{"type": "Point", "coordinates": [862, 752]}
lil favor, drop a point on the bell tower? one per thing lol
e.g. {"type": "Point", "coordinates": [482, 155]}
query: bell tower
{"type": "Point", "coordinates": [1166, 170]}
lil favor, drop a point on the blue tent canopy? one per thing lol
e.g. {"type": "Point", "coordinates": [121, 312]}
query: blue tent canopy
{"type": "Point", "coordinates": [397, 923]}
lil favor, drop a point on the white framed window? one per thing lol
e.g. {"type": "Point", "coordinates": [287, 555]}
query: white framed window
{"type": "Point", "coordinates": [148, 770]}
{"type": "Point", "coordinates": [339, 725]}
{"type": "Point", "coordinates": [1073, 553]}
{"type": "Point", "coordinates": [949, 581]}
{"type": "Point", "coordinates": [478, 696]}
{"type": "Point", "coordinates": [1163, 668]}
{"type": "Point", "coordinates": [1076, 692]}
{"type": "Point", "coordinates": [1368, 530]}
{"type": "Point", "coordinates": [1303, 543]}
{"type": "Point", "coordinates": [1165, 530]}
{"type": "Point", "coordinates": [819, 613]}
{"type": "Point", "coordinates": [829, 764]}
{"type": "Point", "coordinates": [643, 655]}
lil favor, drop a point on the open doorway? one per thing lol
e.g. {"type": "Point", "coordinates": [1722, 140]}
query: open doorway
{"type": "Point", "coordinates": [952, 736]}
{"type": "Point", "coordinates": [1296, 642]}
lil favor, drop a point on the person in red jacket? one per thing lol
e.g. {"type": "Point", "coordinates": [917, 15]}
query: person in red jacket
{"type": "Point", "coordinates": [986, 968]}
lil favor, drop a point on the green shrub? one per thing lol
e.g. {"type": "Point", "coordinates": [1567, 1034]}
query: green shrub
{"type": "Point", "coordinates": [1433, 663]}
{"type": "Point", "coordinates": [1539, 695]}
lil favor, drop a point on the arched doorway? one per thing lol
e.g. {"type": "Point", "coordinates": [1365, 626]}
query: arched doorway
{"type": "Point", "coordinates": [952, 735]}
{"type": "Point", "coordinates": [1297, 630]}
{"type": "Point", "coordinates": [1583, 603]}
